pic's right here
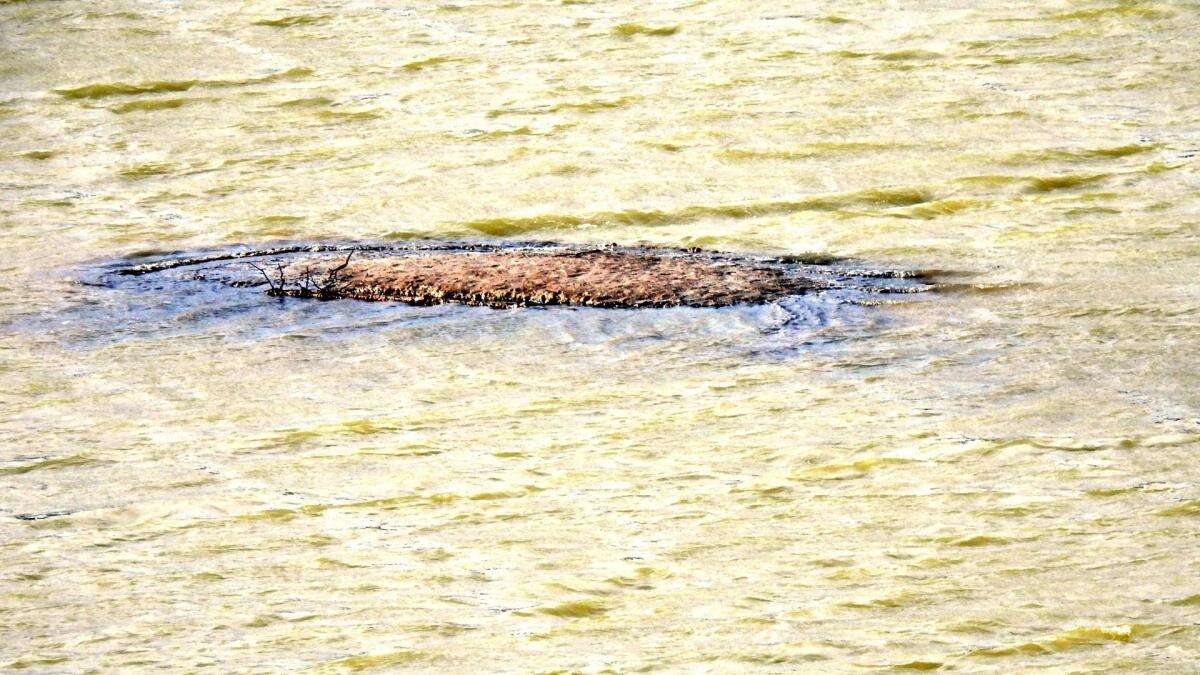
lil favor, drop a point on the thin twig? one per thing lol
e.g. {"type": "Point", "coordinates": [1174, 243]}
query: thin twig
{"type": "Point", "coordinates": [263, 272]}
{"type": "Point", "coordinates": [328, 287]}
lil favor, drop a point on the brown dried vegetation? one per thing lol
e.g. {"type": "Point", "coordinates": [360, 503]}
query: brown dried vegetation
{"type": "Point", "coordinates": [519, 278]}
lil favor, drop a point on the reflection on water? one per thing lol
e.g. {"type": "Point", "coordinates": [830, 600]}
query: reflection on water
{"type": "Point", "coordinates": [999, 476]}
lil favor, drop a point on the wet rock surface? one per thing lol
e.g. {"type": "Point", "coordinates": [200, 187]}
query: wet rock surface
{"type": "Point", "coordinates": [525, 274]}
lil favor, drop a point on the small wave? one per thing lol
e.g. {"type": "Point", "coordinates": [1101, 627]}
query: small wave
{"type": "Point", "coordinates": [1163, 167]}
{"type": "Point", "coordinates": [1189, 508]}
{"type": "Point", "coordinates": [131, 16]}
{"type": "Point", "coordinates": [474, 6]}
{"type": "Point", "coordinates": [986, 288]}
{"type": "Point", "coordinates": [588, 106]}
{"type": "Point", "coordinates": [843, 471]}
{"type": "Point", "coordinates": [897, 55]}
{"type": "Point", "coordinates": [990, 180]}
{"type": "Point", "coordinates": [919, 665]}
{"type": "Point", "coordinates": [349, 115]}
{"type": "Point", "coordinates": [568, 169]}
{"type": "Point", "coordinates": [977, 114]}
{"type": "Point", "coordinates": [1077, 154]}
{"type": "Point", "coordinates": [1085, 636]}
{"type": "Point", "coordinates": [1034, 183]}
{"type": "Point", "coordinates": [152, 104]}
{"type": "Point", "coordinates": [809, 150]}
{"type": "Point", "coordinates": [109, 89]}
{"type": "Point", "coordinates": [980, 540]}
{"type": "Point", "coordinates": [372, 661]}
{"type": "Point", "coordinates": [593, 105]}
{"type": "Point", "coordinates": [1134, 10]}
{"type": "Point", "coordinates": [1063, 182]}
{"type": "Point", "coordinates": [664, 146]}
{"type": "Point", "coordinates": [307, 102]}
{"type": "Point", "coordinates": [1033, 59]}
{"type": "Point", "coordinates": [279, 515]}
{"type": "Point", "coordinates": [632, 29]}
{"type": "Point", "coordinates": [940, 207]}
{"type": "Point", "coordinates": [901, 599]}
{"type": "Point", "coordinates": [575, 610]}
{"type": "Point", "coordinates": [45, 464]}
{"type": "Point", "coordinates": [279, 220]}
{"type": "Point", "coordinates": [146, 170]}
{"type": "Point", "coordinates": [482, 134]}
{"type": "Point", "coordinates": [294, 20]}
{"type": "Point", "coordinates": [422, 64]}
{"type": "Point", "coordinates": [106, 89]}
{"type": "Point", "coordinates": [875, 197]}
{"type": "Point", "coordinates": [1091, 211]}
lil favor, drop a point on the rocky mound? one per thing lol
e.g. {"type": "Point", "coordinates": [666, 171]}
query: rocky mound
{"type": "Point", "coordinates": [520, 275]}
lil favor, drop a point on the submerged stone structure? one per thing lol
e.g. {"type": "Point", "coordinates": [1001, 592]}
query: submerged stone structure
{"type": "Point", "coordinates": [526, 274]}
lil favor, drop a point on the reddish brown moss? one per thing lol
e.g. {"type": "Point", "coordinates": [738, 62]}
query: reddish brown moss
{"type": "Point", "coordinates": [521, 278]}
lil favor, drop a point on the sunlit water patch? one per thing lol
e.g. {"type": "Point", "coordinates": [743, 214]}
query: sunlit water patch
{"type": "Point", "coordinates": [998, 476]}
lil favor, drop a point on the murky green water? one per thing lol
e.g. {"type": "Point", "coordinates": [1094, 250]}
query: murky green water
{"type": "Point", "coordinates": [1000, 477]}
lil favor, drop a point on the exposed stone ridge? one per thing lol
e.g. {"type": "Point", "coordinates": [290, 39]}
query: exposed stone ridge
{"type": "Point", "coordinates": [519, 278]}
{"type": "Point", "coordinates": [520, 274]}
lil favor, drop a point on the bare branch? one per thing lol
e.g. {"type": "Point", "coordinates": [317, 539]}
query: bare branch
{"type": "Point", "coordinates": [341, 267]}
{"type": "Point", "coordinates": [328, 287]}
{"type": "Point", "coordinates": [305, 283]}
{"type": "Point", "coordinates": [279, 266]}
{"type": "Point", "coordinates": [263, 272]}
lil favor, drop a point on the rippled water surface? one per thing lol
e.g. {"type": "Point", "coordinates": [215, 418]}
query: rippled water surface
{"type": "Point", "coordinates": [999, 476]}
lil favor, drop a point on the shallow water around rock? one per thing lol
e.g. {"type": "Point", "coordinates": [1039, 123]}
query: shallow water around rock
{"type": "Point", "coordinates": [229, 291]}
